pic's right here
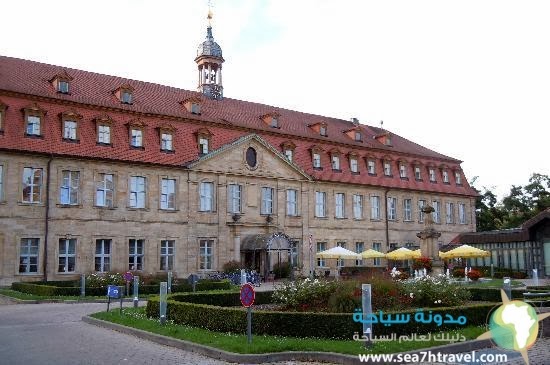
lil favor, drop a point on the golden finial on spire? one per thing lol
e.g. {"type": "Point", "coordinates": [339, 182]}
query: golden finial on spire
{"type": "Point", "coordinates": [209, 16]}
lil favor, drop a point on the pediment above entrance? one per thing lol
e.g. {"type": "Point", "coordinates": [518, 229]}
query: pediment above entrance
{"type": "Point", "coordinates": [249, 155]}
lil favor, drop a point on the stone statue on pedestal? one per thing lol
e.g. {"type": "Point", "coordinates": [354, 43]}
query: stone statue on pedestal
{"type": "Point", "coordinates": [428, 241]}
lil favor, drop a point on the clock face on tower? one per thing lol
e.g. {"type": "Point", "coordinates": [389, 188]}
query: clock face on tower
{"type": "Point", "coordinates": [216, 92]}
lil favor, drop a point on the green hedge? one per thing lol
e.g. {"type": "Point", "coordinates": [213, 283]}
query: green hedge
{"type": "Point", "coordinates": [225, 299]}
{"type": "Point", "coordinates": [45, 290]}
{"type": "Point", "coordinates": [293, 324]}
{"type": "Point", "coordinates": [492, 294]}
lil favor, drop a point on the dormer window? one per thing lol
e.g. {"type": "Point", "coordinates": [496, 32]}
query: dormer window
{"type": "Point", "coordinates": [371, 166]}
{"type": "Point", "coordinates": [353, 164]}
{"type": "Point", "coordinates": [63, 87]}
{"type": "Point", "coordinates": [385, 138]}
{"type": "Point", "coordinates": [316, 157]}
{"type": "Point", "coordinates": [323, 130]}
{"type": "Point", "coordinates": [288, 150]}
{"type": "Point", "coordinates": [417, 173]}
{"type": "Point", "coordinates": [289, 154]}
{"type": "Point", "coordinates": [192, 105]}
{"type": "Point", "coordinates": [358, 136]}
{"type": "Point", "coordinates": [61, 82]}
{"type": "Point", "coordinates": [274, 122]}
{"type": "Point", "coordinates": [137, 134]}
{"type": "Point", "coordinates": [445, 175]}
{"type": "Point", "coordinates": [69, 122]}
{"type": "Point", "coordinates": [125, 94]}
{"type": "Point", "coordinates": [387, 168]}
{"type": "Point", "coordinates": [458, 178]}
{"type": "Point", "coordinates": [335, 162]}
{"type": "Point", "coordinates": [103, 128]}
{"type": "Point", "coordinates": [195, 108]}
{"type": "Point", "coordinates": [271, 120]}
{"type": "Point", "coordinates": [166, 134]}
{"type": "Point", "coordinates": [402, 170]}
{"type": "Point", "coordinates": [34, 117]}
{"type": "Point", "coordinates": [431, 173]}
{"type": "Point", "coordinates": [203, 141]}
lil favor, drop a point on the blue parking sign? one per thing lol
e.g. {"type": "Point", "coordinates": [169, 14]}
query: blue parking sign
{"type": "Point", "coordinates": [113, 291]}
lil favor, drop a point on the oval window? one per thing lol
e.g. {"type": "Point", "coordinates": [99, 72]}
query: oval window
{"type": "Point", "coordinates": [251, 157]}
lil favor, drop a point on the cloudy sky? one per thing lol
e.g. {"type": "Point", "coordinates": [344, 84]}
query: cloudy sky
{"type": "Point", "coordinates": [469, 78]}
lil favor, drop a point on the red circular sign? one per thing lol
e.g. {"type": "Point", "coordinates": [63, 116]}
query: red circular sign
{"type": "Point", "coordinates": [247, 295]}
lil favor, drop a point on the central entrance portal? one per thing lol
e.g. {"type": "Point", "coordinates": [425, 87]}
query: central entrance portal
{"type": "Point", "coordinates": [261, 252]}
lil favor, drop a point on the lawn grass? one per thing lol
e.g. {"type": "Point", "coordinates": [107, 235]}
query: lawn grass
{"type": "Point", "coordinates": [234, 342]}
{"type": "Point", "coordinates": [494, 283]}
{"type": "Point", "coordinates": [24, 296]}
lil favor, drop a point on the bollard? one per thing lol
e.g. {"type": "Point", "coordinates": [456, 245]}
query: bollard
{"type": "Point", "coordinates": [162, 308]}
{"type": "Point", "coordinates": [366, 292]}
{"type": "Point", "coordinates": [83, 285]}
{"type": "Point", "coordinates": [507, 286]}
{"type": "Point", "coordinates": [136, 291]}
{"type": "Point", "coordinates": [169, 289]}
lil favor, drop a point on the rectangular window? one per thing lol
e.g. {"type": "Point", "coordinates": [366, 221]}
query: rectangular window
{"type": "Point", "coordinates": [102, 255]}
{"type": "Point", "coordinates": [126, 97]}
{"type": "Point", "coordinates": [432, 174]}
{"type": "Point", "coordinates": [104, 191]}
{"type": "Point", "coordinates": [288, 154]}
{"type": "Point", "coordinates": [450, 213]}
{"type": "Point", "coordinates": [339, 201]}
{"type": "Point", "coordinates": [437, 212]}
{"type": "Point", "coordinates": [137, 192]}
{"type": "Point", "coordinates": [421, 205]}
{"type": "Point", "coordinates": [359, 247]}
{"type": "Point", "coordinates": [407, 209]}
{"type": "Point", "coordinates": [203, 146]}
{"type": "Point", "coordinates": [291, 202]}
{"type": "Point", "coordinates": [375, 207]}
{"type": "Point", "coordinates": [357, 206]}
{"type": "Point", "coordinates": [445, 176]}
{"type": "Point", "coordinates": [353, 165]}
{"type": "Point", "coordinates": [392, 209]}
{"type": "Point", "coordinates": [67, 255]}
{"type": "Point", "coordinates": [32, 185]}
{"type": "Point", "coordinates": [206, 195]}
{"type": "Point", "coordinates": [206, 254]}
{"type": "Point", "coordinates": [320, 204]}
{"type": "Point", "coordinates": [462, 213]}
{"type": "Point", "coordinates": [195, 108]}
{"type": "Point", "coordinates": [235, 198]}
{"type": "Point", "coordinates": [402, 171]}
{"type": "Point", "coordinates": [335, 162]}
{"type": "Point", "coordinates": [33, 125]}
{"type": "Point", "coordinates": [458, 178]}
{"type": "Point", "coordinates": [358, 137]}
{"type": "Point", "coordinates": [417, 173]}
{"type": "Point", "coordinates": [68, 192]}
{"type": "Point", "coordinates": [321, 246]}
{"type": "Point", "coordinates": [135, 254]}
{"type": "Point", "coordinates": [371, 167]}
{"type": "Point", "coordinates": [167, 255]}
{"type": "Point", "coordinates": [168, 194]}
{"type": "Point", "coordinates": [166, 142]}
{"type": "Point", "coordinates": [387, 168]}
{"type": "Point", "coordinates": [28, 256]}
{"type": "Point", "coordinates": [323, 131]}
{"type": "Point", "coordinates": [104, 134]}
{"type": "Point", "coordinates": [136, 138]}
{"type": "Point", "coordinates": [340, 262]}
{"type": "Point", "coordinates": [267, 201]}
{"type": "Point", "coordinates": [376, 246]}
{"type": "Point", "coordinates": [63, 87]}
{"type": "Point", "coordinates": [316, 161]}
{"type": "Point", "coordinates": [69, 129]}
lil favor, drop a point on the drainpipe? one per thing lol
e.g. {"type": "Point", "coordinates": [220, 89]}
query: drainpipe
{"type": "Point", "coordinates": [387, 222]}
{"type": "Point", "coordinates": [47, 218]}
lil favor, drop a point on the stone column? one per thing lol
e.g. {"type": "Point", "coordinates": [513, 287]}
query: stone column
{"type": "Point", "coordinates": [428, 241]}
{"type": "Point", "coordinates": [209, 73]}
{"type": "Point", "coordinates": [219, 79]}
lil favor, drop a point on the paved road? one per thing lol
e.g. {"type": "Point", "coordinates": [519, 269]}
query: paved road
{"type": "Point", "coordinates": [54, 334]}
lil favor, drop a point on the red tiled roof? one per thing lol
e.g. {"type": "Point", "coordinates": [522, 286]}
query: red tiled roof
{"type": "Point", "coordinates": [91, 95]}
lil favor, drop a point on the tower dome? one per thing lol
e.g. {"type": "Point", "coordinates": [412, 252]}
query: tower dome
{"type": "Point", "coordinates": [209, 62]}
{"type": "Point", "coordinates": [209, 47]}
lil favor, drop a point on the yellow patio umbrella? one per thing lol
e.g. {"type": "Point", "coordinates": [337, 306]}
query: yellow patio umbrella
{"type": "Point", "coordinates": [372, 254]}
{"type": "Point", "coordinates": [417, 254]}
{"type": "Point", "coordinates": [338, 253]}
{"type": "Point", "coordinates": [401, 254]}
{"type": "Point", "coordinates": [464, 251]}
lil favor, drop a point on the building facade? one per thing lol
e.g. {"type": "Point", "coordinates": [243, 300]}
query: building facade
{"type": "Point", "coordinates": [101, 173]}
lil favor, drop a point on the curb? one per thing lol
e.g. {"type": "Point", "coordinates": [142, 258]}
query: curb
{"type": "Point", "coordinates": [329, 357]}
{"type": "Point", "coordinates": [66, 301]}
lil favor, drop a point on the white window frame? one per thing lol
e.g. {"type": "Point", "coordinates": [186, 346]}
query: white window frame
{"type": "Point", "coordinates": [320, 204]}
{"type": "Point", "coordinates": [206, 254]}
{"type": "Point", "coordinates": [136, 137]}
{"type": "Point", "coordinates": [33, 125]}
{"type": "Point", "coordinates": [357, 206]}
{"type": "Point", "coordinates": [292, 202]}
{"type": "Point", "coordinates": [136, 254]}
{"type": "Point", "coordinates": [335, 162]}
{"type": "Point", "coordinates": [63, 86]}
{"type": "Point", "coordinates": [359, 247]}
{"type": "Point", "coordinates": [375, 207]}
{"type": "Point", "coordinates": [387, 168]}
{"type": "Point", "coordinates": [431, 172]}
{"type": "Point", "coordinates": [104, 134]}
{"type": "Point", "coordinates": [69, 129]}
{"type": "Point", "coordinates": [445, 175]}
{"type": "Point", "coordinates": [104, 194]}
{"type": "Point", "coordinates": [206, 196]}
{"type": "Point", "coordinates": [458, 178]}
{"type": "Point", "coordinates": [353, 164]}
{"type": "Point", "coordinates": [340, 262]}
{"type": "Point", "coordinates": [450, 213]}
{"type": "Point", "coordinates": [102, 255]}
{"type": "Point", "coordinates": [421, 205]}
{"type": "Point", "coordinates": [462, 213]}
{"type": "Point", "coordinates": [167, 248]}
{"type": "Point", "coordinates": [339, 205]}
{"type": "Point", "coordinates": [437, 211]}
{"type": "Point", "coordinates": [316, 160]}
{"type": "Point", "coordinates": [321, 246]}
{"type": "Point", "coordinates": [203, 145]}
{"type": "Point", "coordinates": [65, 255]}
{"type": "Point", "coordinates": [69, 190]}
{"type": "Point", "coordinates": [289, 154]}
{"type": "Point", "coordinates": [267, 200]}
{"type": "Point", "coordinates": [371, 167]}
{"type": "Point", "coordinates": [235, 192]}
{"type": "Point", "coordinates": [402, 171]}
{"type": "Point", "coordinates": [358, 136]}
{"type": "Point", "coordinates": [418, 173]}
{"type": "Point", "coordinates": [138, 192]}
{"type": "Point", "coordinates": [168, 194]}
{"type": "Point", "coordinates": [377, 246]}
{"type": "Point", "coordinates": [407, 209]}
{"type": "Point", "coordinates": [33, 186]}
{"type": "Point", "coordinates": [392, 208]}
{"type": "Point", "coordinates": [126, 97]}
{"type": "Point", "coordinates": [29, 253]}
{"type": "Point", "coordinates": [166, 141]}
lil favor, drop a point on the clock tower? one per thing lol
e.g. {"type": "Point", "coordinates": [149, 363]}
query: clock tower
{"type": "Point", "coordinates": [209, 61]}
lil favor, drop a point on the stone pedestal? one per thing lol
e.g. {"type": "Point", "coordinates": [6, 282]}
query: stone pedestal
{"type": "Point", "coordinates": [428, 241]}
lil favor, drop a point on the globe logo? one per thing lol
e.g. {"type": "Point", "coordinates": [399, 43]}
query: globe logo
{"type": "Point", "coordinates": [514, 326]}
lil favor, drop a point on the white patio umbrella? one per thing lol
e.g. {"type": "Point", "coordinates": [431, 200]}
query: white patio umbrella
{"type": "Point", "coordinates": [338, 253]}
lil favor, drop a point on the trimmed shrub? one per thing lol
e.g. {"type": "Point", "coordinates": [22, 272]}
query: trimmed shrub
{"type": "Point", "coordinates": [430, 291]}
{"type": "Point", "coordinates": [474, 275]}
{"type": "Point", "coordinates": [45, 290]}
{"type": "Point", "coordinates": [231, 266]}
{"type": "Point", "coordinates": [222, 299]}
{"type": "Point", "coordinates": [492, 294]}
{"type": "Point", "coordinates": [281, 270]}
